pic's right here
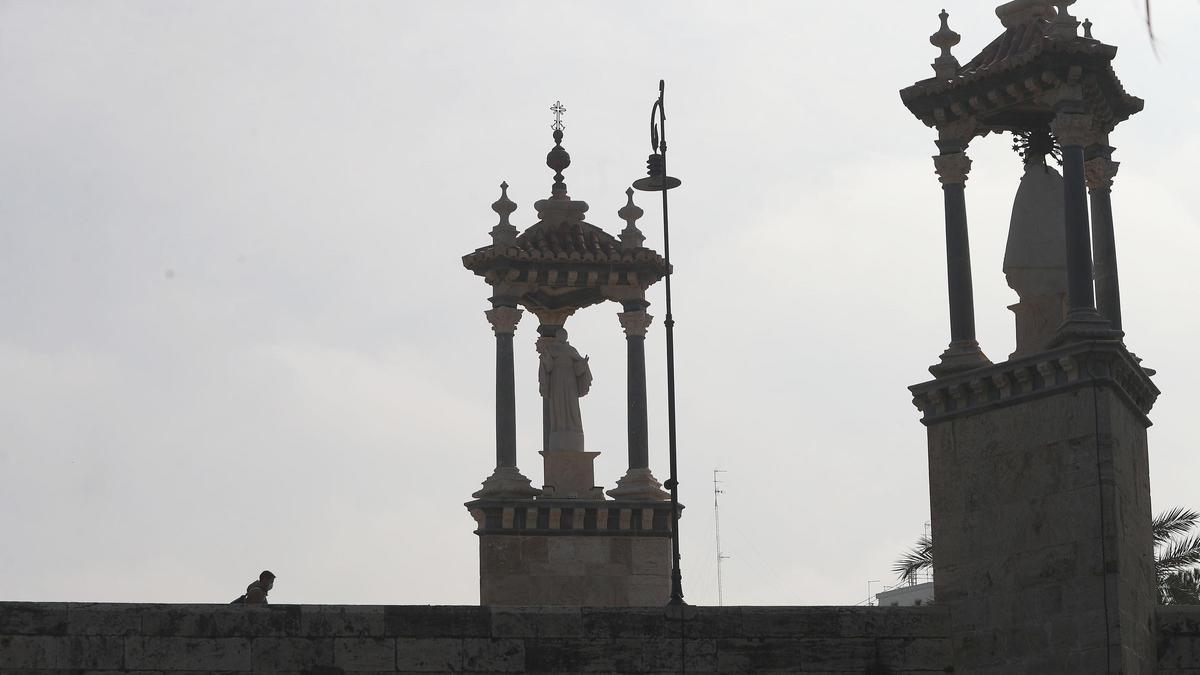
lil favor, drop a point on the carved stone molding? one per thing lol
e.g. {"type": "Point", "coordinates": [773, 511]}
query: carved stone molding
{"type": "Point", "coordinates": [952, 169]}
{"type": "Point", "coordinates": [959, 132]}
{"type": "Point", "coordinates": [1103, 363]}
{"type": "Point", "coordinates": [635, 323]}
{"type": "Point", "coordinates": [548, 516]}
{"type": "Point", "coordinates": [504, 320]}
{"type": "Point", "coordinates": [1073, 129]}
{"type": "Point", "coordinates": [1100, 172]}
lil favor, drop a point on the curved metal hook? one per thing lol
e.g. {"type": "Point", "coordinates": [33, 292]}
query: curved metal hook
{"type": "Point", "coordinates": [658, 126]}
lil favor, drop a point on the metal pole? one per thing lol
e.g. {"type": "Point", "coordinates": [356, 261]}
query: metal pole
{"type": "Point", "coordinates": [669, 323]}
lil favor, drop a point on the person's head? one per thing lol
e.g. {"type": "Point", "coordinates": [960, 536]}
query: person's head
{"type": "Point", "coordinates": [267, 579]}
{"type": "Point", "coordinates": [561, 335]}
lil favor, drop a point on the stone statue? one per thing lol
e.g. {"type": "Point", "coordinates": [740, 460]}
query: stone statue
{"type": "Point", "coordinates": [563, 377]}
{"type": "Point", "coordinates": [256, 592]}
{"type": "Point", "coordinates": [1035, 260]}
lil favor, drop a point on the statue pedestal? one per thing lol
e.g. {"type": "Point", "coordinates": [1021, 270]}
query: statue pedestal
{"type": "Point", "coordinates": [570, 475]}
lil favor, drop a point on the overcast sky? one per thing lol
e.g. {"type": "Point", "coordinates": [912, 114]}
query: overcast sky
{"type": "Point", "coordinates": [236, 333]}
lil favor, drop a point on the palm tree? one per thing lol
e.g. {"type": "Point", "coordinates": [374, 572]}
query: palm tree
{"type": "Point", "coordinates": [1176, 557]}
{"type": "Point", "coordinates": [916, 561]}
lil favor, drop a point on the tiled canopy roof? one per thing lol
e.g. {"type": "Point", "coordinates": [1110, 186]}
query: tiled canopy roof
{"type": "Point", "coordinates": [568, 241]}
{"type": "Point", "coordinates": [1009, 73]}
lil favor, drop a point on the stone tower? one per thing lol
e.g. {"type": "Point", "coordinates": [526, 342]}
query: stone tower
{"type": "Point", "coordinates": [1039, 479]}
{"type": "Point", "coordinates": [566, 543]}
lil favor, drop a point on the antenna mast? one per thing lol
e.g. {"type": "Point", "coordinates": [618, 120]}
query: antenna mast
{"type": "Point", "coordinates": [717, 520]}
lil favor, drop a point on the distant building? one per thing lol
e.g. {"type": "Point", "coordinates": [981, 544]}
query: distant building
{"type": "Point", "coordinates": [915, 595]}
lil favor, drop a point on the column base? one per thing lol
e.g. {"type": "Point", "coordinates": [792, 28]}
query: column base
{"type": "Point", "coordinates": [959, 357]}
{"type": "Point", "coordinates": [641, 485]}
{"type": "Point", "coordinates": [507, 482]}
{"type": "Point", "coordinates": [1083, 325]}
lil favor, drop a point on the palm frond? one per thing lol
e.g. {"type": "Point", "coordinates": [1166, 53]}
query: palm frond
{"type": "Point", "coordinates": [918, 560]}
{"type": "Point", "coordinates": [1180, 588]}
{"type": "Point", "coordinates": [1170, 523]}
{"type": "Point", "coordinates": [1178, 554]}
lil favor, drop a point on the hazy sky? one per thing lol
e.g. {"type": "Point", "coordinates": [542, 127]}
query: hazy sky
{"type": "Point", "coordinates": [236, 333]}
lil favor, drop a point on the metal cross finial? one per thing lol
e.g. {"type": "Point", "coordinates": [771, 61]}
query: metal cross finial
{"type": "Point", "coordinates": [558, 109]}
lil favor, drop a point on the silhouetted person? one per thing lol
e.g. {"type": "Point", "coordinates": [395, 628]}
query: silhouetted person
{"type": "Point", "coordinates": [256, 592]}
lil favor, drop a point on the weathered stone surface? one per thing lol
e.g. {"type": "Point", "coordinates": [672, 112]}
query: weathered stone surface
{"type": "Point", "coordinates": [560, 640]}
{"type": "Point", "coordinates": [46, 652]}
{"type": "Point", "coordinates": [364, 654]}
{"type": "Point", "coordinates": [103, 619]}
{"type": "Point", "coordinates": [186, 653]}
{"type": "Point", "coordinates": [341, 621]}
{"type": "Point", "coordinates": [429, 655]}
{"type": "Point", "coordinates": [34, 618]}
{"type": "Point", "coordinates": [220, 620]}
{"type": "Point", "coordinates": [271, 654]}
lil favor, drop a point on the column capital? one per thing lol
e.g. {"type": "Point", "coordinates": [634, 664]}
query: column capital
{"type": "Point", "coordinates": [952, 168]}
{"type": "Point", "coordinates": [554, 317]}
{"type": "Point", "coordinates": [504, 319]}
{"type": "Point", "coordinates": [1072, 128]}
{"type": "Point", "coordinates": [1100, 172]}
{"type": "Point", "coordinates": [635, 323]}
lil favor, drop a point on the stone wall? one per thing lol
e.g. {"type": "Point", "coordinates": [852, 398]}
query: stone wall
{"type": "Point", "coordinates": [76, 638]}
{"type": "Point", "coordinates": [38, 638]}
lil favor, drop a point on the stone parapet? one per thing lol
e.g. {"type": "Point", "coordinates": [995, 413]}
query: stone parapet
{"type": "Point", "coordinates": [54, 638]}
{"type": "Point", "coordinates": [51, 638]}
{"type": "Point", "coordinates": [572, 517]}
{"type": "Point", "coordinates": [1083, 364]}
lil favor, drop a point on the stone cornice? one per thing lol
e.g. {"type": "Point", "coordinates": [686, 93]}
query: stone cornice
{"type": "Point", "coordinates": [576, 517]}
{"type": "Point", "coordinates": [1083, 364]}
{"type": "Point", "coordinates": [1027, 85]}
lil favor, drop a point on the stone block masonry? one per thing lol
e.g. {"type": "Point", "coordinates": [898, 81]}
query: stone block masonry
{"type": "Point", "coordinates": [79, 638]}
{"type": "Point", "coordinates": [57, 639]}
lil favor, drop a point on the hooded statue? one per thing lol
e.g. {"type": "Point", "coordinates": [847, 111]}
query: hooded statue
{"type": "Point", "coordinates": [563, 377]}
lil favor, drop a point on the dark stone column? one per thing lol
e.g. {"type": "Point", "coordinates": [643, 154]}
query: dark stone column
{"type": "Point", "coordinates": [504, 323]}
{"type": "Point", "coordinates": [1083, 321]}
{"type": "Point", "coordinates": [638, 482]}
{"type": "Point", "coordinates": [635, 321]}
{"type": "Point", "coordinates": [506, 481]}
{"type": "Point", "coordinates": [963, 354]}
{"type": "Point", "coordinates": [1100, 171]}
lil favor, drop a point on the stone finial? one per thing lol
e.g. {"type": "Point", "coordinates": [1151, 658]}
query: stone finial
{"type": "Point", "coordinates": [1087, 29]}
{"type": "Point", "coordinates": [1100, 172]}
{"type": "Point", "coordinates": [1065, 26]}
{"type": "Point", "coordinates": [1072, 129]}
{"type": "Point", "coordinates": [558, 158]}
{"type": "Point", "coordinates": [952, 168]}
{"type": "Point", "coordinates": [631, 236]}
{"type": "Point", "coordinates": [504, 320]}
{"type": "Point", "coordinates": [946, 65]}
{"type": "Point", "coordinates": [504, 232]}
{"type": "Point", "coordinates": [636, 323]}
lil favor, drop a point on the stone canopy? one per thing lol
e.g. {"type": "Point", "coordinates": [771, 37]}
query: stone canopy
{"type": "Point", "coordinates": [563, 263]}
{"type": "Point", "coordinates": [1019, 79]}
